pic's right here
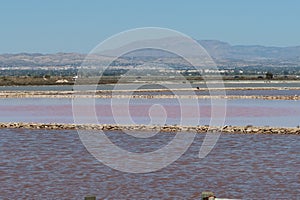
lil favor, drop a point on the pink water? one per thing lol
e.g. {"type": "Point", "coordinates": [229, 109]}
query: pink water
{"type": "Point", "coordinates": [239, 112]}
{"type": "Point", "coordinates": [51, 164]}
{"type": "Point", "coordinates": [44, 164]}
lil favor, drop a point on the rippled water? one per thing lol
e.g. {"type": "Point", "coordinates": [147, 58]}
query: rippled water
{"type": "Point", "coordinates": [43, 164]}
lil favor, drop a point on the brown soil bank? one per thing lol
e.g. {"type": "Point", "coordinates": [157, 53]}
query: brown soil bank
{"type": "Point", "coordinates": [55, 80]}
{"type": "Point", "coordinates": [27, 80]}
{"type": "Point", "coordinates": [166, 128]}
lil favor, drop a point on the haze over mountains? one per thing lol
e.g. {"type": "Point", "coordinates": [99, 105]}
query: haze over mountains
{"type": "Point", "coordinates": [223, 50]}
{"type": "Point", "coordinates": [223, 54]}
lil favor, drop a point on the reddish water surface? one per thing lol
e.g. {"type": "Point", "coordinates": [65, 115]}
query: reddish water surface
{"type": "Point", "coordinates": [238, 112]}
{"type": "Point", "coordinates": [44, 164]}
{"type": "Point", "coordinates": [51, 164]}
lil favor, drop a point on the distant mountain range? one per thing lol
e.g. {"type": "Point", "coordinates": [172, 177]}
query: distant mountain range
{"type": "Point", "coordinates": [222, 52]}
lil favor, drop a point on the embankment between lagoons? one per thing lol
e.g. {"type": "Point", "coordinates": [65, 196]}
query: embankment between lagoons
{"type": "Point", "coordinates": [118, 94]}
{"type": "Point", "coordinates": [165, 128]}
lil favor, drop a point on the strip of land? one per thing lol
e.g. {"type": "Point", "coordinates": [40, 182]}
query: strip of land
{"type": "Point", "coordinates": [118, 94]}
{"type": "Point", "coordinates": [165, 128]}
{"type": "Point", "coordinates": [40, 80]}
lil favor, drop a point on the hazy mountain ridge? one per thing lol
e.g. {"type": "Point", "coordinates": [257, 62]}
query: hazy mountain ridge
{"type": "Point", "coordinates": [223, 50]}
{"type": "Point", "coordinates": [38, 59]}
{"type": "Point", "coordinates": [223, 53]}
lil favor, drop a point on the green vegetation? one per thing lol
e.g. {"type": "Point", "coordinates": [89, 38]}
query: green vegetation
{"type": "Point", "coordinates": [17, 76]}
{"type": "Point", "coordinates": [69, 80]}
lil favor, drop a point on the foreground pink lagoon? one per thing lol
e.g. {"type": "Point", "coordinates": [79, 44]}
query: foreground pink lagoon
{"type": "Point", "coordinates": [52, 164]}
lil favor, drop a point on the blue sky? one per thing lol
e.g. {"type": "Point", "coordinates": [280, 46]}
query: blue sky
{"type": "Point", "coordinates": [78, 26]}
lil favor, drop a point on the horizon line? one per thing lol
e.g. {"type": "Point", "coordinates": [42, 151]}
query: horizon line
{"type": "Point", "coordinates": [212, 40]}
